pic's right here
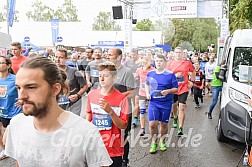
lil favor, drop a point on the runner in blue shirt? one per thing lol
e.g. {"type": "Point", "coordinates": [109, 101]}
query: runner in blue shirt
{"type": "Point", "coordinates": [161, 84]}
{"type": "Point", "coordinates": [8, 95]}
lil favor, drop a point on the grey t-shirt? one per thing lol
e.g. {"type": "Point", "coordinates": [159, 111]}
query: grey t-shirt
{"type": "Point", "coordinates": [124, 82]}
{"type": "Point", "coordinates": [132, 65]}
{"type": "Point", "coordinates": [92, 70]}
{"type": "Point", "coordinates": [77, 143]}
{"type": "Point", "coordinates": [124, 79]}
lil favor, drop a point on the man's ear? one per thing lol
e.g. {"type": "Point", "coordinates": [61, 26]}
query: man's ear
{"type": "Point", "coordinates": [56, 89]}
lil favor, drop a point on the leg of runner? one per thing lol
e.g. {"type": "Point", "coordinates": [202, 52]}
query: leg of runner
{"type": "Point", "coordinates": [142, 106]}
{"type": "Point", "coordinates": [153, 128]}
{"type": "Point", "coordinates": [175, 114]}
{"type": "Point", "coordinates": [181, 118]}
{"type": "Point", "coordinates": [126, 146]}
{"type": "Point", "coordinates": [163, 132]}
{"type": "Point", "coordinates": [136, 111]}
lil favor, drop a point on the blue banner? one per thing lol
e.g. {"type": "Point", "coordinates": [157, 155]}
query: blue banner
{"type": "Point", "coordinates": [55, 29]}
{"type": "Point", "coordinates": [11, 9]}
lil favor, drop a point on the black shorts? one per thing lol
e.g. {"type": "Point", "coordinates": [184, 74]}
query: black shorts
{"type": "Point", "coordinates": [181, 98]}
{"type": "Point", "coordinates": [117, 161]}
{"type": "Point", "coordinates": [209, 80]}
{"type": "Point", "coordinates": [5, 122]}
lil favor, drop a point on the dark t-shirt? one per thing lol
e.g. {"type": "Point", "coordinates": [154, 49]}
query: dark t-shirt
{"type": "Point", "coordinates": [82, 64]}
{"type": "Point", "coordinates": [75, 80]}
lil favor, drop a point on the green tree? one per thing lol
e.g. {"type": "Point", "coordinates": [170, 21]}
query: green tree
{"type": "Point", "coordinates": [41, 12]}
{"type": "Point", "coordinates": [240, 14]}
{"type": "Point", "coordinates": [199, 33]}
{"type": "Point", "coordinates": [105, 22]}
{"type": "Point", "coordinates": [3, 14]}
{"type": "Point", "coordinates": [144, 25]}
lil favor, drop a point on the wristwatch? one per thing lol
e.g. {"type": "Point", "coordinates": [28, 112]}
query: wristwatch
{"type": "Point", "coordinates": [79, 96]}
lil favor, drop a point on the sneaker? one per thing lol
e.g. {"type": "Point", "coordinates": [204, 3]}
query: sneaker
{"type": "Point", "coordinates": [2, 155]}
{"type": "Point", "coordinates": [153, 148]}
{"type": "Point", "coordinates": [142, 132]}
{"type": "Point", "coordinates": [125, 163]}
{"type": "Point", "coordinates": [180, 131]}
{"type": "Point", "coordinates": [134, 123]}
{"type": "Point", "coordinates": [163, 146]}
{"type": "Point", "coordinates": [197, 106]}
{"type": "Point", "coordinates": [210, 94]}
{"type": "Point", "coordinates": [175, 122]}
{"type": "Point", "coordinates": [209, 116]}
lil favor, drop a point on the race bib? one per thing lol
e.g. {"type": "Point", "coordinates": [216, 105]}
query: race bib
{"type": "Point", "coordinates": [210, 70]}
{"type": "Point", "coordinates": [101, 118]}
{"type": "Point", "coordinates": [63, 100]}
{"type": "Point", "coordinates": [158, 94]}
{"type": "Point", "coordinates": [197, 78]}
{"type": "Point", "coordinates": [181, 79]}
{"type": "Point", "coordinates": [102, 121]}
{"type": "Point", "coordinates": [143, 85]}
{"type": "Point", "coordinates": [3, 91]}
{"type": "Point", "coordinates": [3, 112]}
{"type": "Point", "coordinates": [94, 73]}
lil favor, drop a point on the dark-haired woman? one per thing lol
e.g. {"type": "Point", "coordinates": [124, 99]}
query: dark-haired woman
{"type": "Point", "coordinates": [8, 95]}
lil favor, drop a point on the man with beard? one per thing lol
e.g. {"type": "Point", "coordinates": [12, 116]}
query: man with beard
{"type": "Point", "coordinates": [46, 135]}
{"type": "Point", "coordinates": [75, 80]}
{"type": "Point", "coordinates": [91, 71]}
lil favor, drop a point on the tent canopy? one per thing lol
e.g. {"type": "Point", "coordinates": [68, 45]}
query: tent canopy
{"type": "Point", "coordinates": [26, 45]}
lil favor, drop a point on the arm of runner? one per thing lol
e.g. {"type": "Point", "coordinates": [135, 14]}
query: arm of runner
{"type": "Point", "coordinates": [89, 115]}
{"type": "Point", "coordinates": [129, 93]}
{"type": "Point", "coordinates": [88, 78]}
{"type": "Point", "coordinates": [77, 96]}
{"type": "Point", "coordinates": [169, 91]}
{"type": "Point", "coordinates": [147, 90]}
{"type": "Point", "coordinates": [116, 119]}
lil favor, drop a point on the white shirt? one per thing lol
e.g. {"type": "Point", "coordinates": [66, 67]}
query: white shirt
{"type": "Point", "coordinates": [76, 144]}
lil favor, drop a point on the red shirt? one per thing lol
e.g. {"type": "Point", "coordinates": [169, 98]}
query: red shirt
{"type": "Point", "coordinates": [16, 62]}
{"type": "Point", "coordinates": [184, 67]}
{"type": "Point", "coordinates": [198, 78]}
{"type": "Point", "coordinates": [112, 138]}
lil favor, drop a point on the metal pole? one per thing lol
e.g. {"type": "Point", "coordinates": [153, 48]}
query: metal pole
{"type": "Point", "coordinates": [7, 18]}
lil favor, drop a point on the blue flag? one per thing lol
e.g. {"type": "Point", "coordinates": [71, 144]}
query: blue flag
{"type": "Point", "coordinates": [11, 9]}
{"type": "Point", "coordinates": [55, 29]}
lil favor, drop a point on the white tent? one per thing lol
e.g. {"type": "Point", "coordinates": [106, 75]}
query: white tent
{"type": "Point", "coordinates": [75, 34]}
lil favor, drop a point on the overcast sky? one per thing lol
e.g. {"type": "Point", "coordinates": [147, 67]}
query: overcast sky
{"type": "Point", "coordinates": [87, 9]}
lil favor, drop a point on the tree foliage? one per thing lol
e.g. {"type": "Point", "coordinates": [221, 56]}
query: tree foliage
{"type": "Point", "coordinates": [240, 14]}
{"type": "Point", "coordinates": [105, 22]}
{"type": "Point", "coordinates": [199, 33]}
{"type": "Point", "coordinates": [3, 14]}
{"type": "Point", "coordinates": [41, 12]}
{"type": "Point", "coordinates": [144, 25]}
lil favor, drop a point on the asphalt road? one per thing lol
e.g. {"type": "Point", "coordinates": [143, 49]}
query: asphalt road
{"type": "Point", "coordinates": [198, 148]}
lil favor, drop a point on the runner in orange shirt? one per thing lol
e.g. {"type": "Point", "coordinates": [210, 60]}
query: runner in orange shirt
{"type": "Point", "coordinates": [181, 68]}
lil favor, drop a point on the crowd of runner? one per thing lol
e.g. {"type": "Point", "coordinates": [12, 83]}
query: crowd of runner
{"type": "Point", "coordinates": [123, 90]}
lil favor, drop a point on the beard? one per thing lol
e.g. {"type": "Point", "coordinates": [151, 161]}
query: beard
{"type": "Point", "coordinates": [39, 110]}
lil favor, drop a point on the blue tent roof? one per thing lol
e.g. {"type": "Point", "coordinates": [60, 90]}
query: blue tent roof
{"type": "Point", "coordinates": [29, 44]}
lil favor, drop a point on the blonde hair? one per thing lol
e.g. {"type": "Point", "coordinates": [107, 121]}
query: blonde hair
{"type": "Point", "coordinates": [143, 60]}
